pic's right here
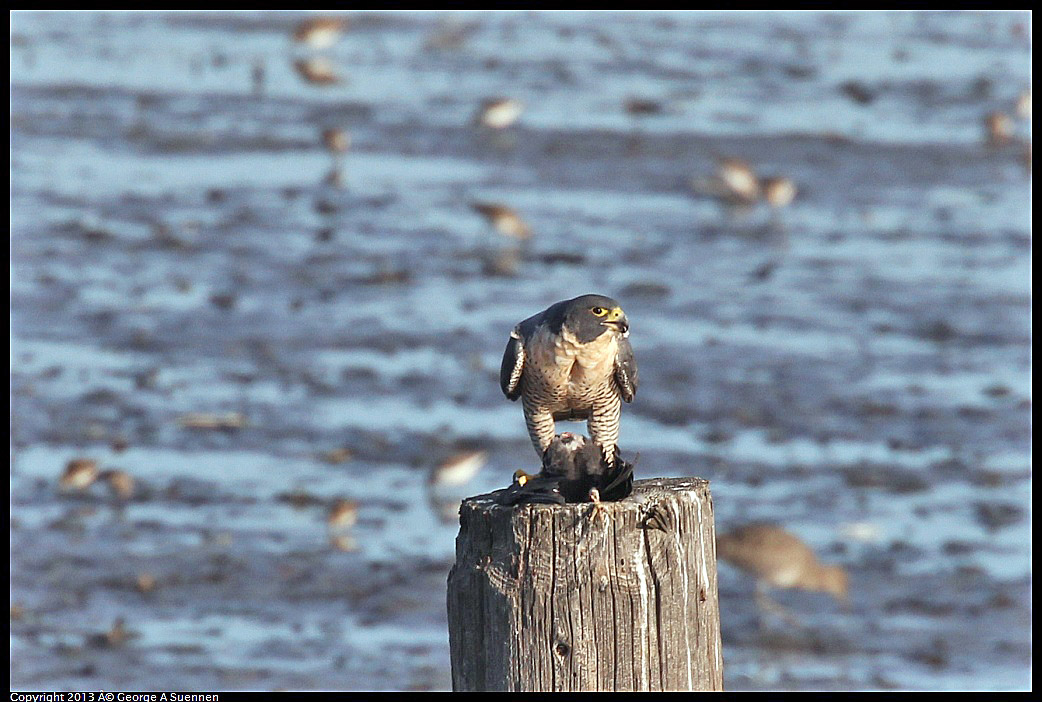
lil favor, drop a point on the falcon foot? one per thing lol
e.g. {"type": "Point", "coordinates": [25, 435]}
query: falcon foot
{"type": "Point", "coordinates": [574, 471]}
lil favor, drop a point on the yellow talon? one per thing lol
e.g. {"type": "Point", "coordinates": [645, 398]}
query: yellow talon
{"type": "Point", "coordinates": [598, 507]}
{"type": "Point", "coordinates": [521, 477]}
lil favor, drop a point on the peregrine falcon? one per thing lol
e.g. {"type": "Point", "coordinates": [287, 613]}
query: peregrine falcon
{"type": "Point", "coordinates": [574, 470]}
{"type": "Point", "coordinates": [572, 361]}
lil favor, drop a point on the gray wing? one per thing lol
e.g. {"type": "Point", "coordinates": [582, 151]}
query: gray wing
{"type": "Point", "coordinates": [626, 371]}
{"type": "Point", "coordinates": [513, 365]}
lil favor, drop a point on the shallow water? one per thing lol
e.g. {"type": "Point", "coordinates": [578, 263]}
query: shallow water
{"type": "Point", "coordinates": [855, 367]}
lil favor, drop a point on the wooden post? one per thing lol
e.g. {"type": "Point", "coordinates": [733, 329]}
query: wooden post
{"type": "Point", "coordinates": [561, 597]}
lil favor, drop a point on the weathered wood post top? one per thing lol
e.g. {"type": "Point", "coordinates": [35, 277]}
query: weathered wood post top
{"type": "Point", "coordinates": [616, 596]}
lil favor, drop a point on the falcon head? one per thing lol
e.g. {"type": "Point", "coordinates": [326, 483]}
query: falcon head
{"type": "Point", "coordinates": [589, 316]}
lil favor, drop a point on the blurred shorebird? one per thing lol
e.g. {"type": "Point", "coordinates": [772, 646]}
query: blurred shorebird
{"type": "Point", "coordinates": [739, 180]}
{"type": "Point", "coordinates": [779, 559]}
{"type": "Point", "coordinates": [79, 474]}
{"type": "Point", "coordinates": [337, 456]}
{"type": "Point", "coordinates": [343, 514]}
{"type": "Point", "coordinates": [1024, 105]}
{"type": "Point", "coordinates": [207, 420]}
{"type": "Point", "coordinates": [734, 182]}
{"type": "Point", "coordinates": [320, 32]}
{"type": "Point", "coordinates": [145, 583]}
{"type": "Point", "coordinates": [998, 127]}
{"type": "Point", "coordinates": [866, 532]}
{"type": "Point", "coordinates": [445, 509]}
{"type": "Point", "coordinates": [120, 483]}
{"type": "Point", "coordinates": [502, 263]}
{"type": "Point", "coordinates": [499, 113]}
{"type": "Point", "coordinates": [114, 637]}
{"type": "Point", "coordinates": [450, 34]}
{"type": "Point", "coordinates": [258, 76]}
{"type": "Point", "coordinates": [503, 219]}
{"type": "Point", "coordinates": [317, 70]}
{"type": "Point", "coordinates": [642, 106]}
{"type": "Point", "coordinates": [337, 142]}
{"type": "Point", "coordinates": [779, 192]}
{"type": "Point", "coordinates": [343, 542]}
{"type": "Point", "coordinates": [457, 470]}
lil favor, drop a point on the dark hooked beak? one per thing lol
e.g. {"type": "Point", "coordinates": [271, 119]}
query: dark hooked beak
{"type": "Point", "coordinates": [620, 325]}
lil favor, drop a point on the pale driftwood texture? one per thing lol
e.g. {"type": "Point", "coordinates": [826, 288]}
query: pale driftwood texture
{"type": "Point", "coordinates": [556, 597]}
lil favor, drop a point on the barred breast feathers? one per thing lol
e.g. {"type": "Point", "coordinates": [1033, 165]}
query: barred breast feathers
{"type": "Point", "coordinates": [559, 367]}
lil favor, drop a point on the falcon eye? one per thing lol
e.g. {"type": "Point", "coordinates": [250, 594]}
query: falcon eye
{"type": "Point", "coordinates": [599, 311]}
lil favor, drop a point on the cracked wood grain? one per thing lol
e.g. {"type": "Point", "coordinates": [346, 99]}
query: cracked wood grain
{"type": "Point", "coordinates": [560, 598]}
